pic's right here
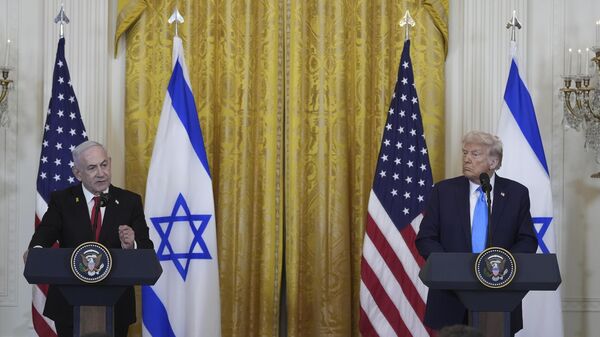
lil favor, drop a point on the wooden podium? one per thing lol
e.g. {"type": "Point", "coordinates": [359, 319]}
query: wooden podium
{"type": "Point", "coordinates": [456, 272]}
{"type": "Point", "coordinates": [92, 302]}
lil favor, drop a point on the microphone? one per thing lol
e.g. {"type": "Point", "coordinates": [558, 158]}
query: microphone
{"type": "Point", "coordinates": [105, 196]}
{"type": "Point", "coordinates": [484, 178]}
{"type": "Point", "coordinates": [486, 186]}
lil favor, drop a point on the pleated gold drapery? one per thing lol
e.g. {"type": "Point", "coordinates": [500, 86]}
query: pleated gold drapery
{"type": "Point", "coordinates": [292, 97]}
{"type": "Point", "coordinates": [342, 61]}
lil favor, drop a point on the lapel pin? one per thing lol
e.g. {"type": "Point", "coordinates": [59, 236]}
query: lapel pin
{"type": "Point", "coordinates": [76, 199]}
{"type": "Point", "coordinates": [116, 201]}
{"type": "Point", "coordinates": [502, 193]}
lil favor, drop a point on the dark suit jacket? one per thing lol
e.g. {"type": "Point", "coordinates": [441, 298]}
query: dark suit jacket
{"type": "Point", "coordinates": [446, 227]}
{"type": "Point", "coordinates": [67, 220]}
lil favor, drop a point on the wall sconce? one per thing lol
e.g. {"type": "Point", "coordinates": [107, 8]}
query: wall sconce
{"type": "Point", "coordinates": [581, 101]}
{"type": "Point", "coordinates": [4, 84]}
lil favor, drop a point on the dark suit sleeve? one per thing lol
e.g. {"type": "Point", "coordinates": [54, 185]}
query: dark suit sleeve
{"type": "Point", "coordinates": [525, 240]}
{"type": "Point", "coordinates": [139, 226]}
{"type": "Point", "coordinates": [428, 239]}
{"type": "Point", "coordinates": [49, 229]}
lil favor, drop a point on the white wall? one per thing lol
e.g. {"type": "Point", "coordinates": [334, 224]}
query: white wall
{"type": "Point", "coordinates": [98, 83]}
{"type": "Point", "coordinates": [477, 69]}
{"type": "Point", "coordinates": [17, 142]}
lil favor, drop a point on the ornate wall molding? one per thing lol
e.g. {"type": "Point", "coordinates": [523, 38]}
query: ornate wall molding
{"type": "Point", "coordinates": [581, 304]}
{"type": "Point", "coordinates": [8, 170]}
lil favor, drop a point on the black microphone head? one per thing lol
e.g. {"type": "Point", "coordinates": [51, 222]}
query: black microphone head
{"type": "Point", "coordinates": [104, 199]}
{"type": "Point", "coordinates": [484, 179]}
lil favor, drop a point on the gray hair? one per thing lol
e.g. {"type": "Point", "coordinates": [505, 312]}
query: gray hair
{"type": "Point", "coordinates": [493, 143]}
{"type": "Point", "coordinates": [79, 149]}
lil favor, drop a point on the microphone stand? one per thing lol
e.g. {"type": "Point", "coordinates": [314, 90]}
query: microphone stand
{"type": "Point", "coordinates": [489, 222]}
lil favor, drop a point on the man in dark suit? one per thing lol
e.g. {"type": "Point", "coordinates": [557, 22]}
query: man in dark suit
{"type": "Point", "coordinates": [448, 220]}
{"type": "Point", "coordinates": [68, 220]}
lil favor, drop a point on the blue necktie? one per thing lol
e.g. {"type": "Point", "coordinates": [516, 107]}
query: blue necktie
{"type": "Point", "coordinates": [480, 222]}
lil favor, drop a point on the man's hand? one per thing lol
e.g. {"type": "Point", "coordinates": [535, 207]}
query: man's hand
{"type": "Point", "coordinates": [127, 237]}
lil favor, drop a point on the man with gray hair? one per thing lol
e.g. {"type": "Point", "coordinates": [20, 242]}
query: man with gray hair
{"type": "Point", "coordinates": [93, 210]}
{"type": "Point", "coordinates": [456, 220]}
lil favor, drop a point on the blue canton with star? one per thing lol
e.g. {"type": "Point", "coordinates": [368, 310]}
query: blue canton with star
{"type": "Point", "coordinates": [197, 224]}
{"type": "Point", "coordinates": [403, 178]}
{"type": "Point", "coordinates": [63, 131]}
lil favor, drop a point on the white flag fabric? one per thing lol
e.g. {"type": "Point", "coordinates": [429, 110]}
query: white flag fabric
{"type": "Point", "coordinates": [179, 209]}
{"type": "Point", "coordinates": [525, 161]}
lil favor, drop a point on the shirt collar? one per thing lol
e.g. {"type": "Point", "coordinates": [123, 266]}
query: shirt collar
{"type": "Point", "coordinates": [473, 187]}
{"type": "Point", "coordinates": [89, 196]}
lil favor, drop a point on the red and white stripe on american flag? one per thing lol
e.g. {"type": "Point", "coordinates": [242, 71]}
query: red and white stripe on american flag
{"type": "Point", "coordinates": [42, 325]}
{"type": "Point", "coordinates": [392, 297]}
{"type": "Point", "coordinates": [63, 131]}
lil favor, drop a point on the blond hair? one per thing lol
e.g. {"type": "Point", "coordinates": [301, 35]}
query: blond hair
{"type": "Point", "coordinates": [491, 142]}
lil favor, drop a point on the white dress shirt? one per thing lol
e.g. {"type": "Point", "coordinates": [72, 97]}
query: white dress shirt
{"type": "Point", "coordinates": [474, 194]}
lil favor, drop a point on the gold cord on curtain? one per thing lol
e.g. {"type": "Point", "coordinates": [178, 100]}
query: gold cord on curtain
{"type": "Point", "coordinates": [292, 97]}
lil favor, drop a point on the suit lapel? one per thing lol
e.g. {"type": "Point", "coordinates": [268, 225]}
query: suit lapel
{"type": "Point", "coordinates": [498, 205]}
{"type": "Point", "coordinates": [464, 208]}
{"type": "Point", "coordinates": [109, 218]}
{"type": "Point", "coordinates": [80, 206]}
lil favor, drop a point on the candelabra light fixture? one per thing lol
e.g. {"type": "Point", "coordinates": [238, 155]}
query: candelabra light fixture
{"type": "Point", "coordinates": [4, 86]}
{"type": "Point", "coordinates": [581, 95]}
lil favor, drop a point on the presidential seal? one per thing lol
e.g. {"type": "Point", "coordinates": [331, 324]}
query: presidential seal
{"type": "Point", "coordinates": [91, 262]}
{"type": "Point", "coordinates": [495, 267]}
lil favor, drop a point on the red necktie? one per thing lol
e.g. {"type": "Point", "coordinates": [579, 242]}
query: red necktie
{"type": "Point", "coordinates": [99, 217]}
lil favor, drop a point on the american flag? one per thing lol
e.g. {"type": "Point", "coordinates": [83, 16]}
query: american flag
{"type": "Point", "coordinates": [392, 297]}
{"type": "Point", "coordinates": [63, 131]}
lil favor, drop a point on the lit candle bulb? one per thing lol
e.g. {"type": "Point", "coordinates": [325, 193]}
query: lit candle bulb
{"type": "Point", "coordinates": [568, 65]}
{"type": "Point", "coordinates": [578, 61]}
{"type": "Point", "coordinates": [7, 54]}
{"type": "Point", "coordinates": [587, 61]}
{"type": "Point", "coordinates": [597, 33]}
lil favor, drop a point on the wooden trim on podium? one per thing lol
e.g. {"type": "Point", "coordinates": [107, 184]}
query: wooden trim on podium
{"type": "Point", "coordinates": [93, 319]}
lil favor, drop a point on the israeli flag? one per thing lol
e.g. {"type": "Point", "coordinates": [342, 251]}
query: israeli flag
{"type": "Point", "coordinates": [524, 161]}
{"type": "Point", "coordinates": [180, 213]}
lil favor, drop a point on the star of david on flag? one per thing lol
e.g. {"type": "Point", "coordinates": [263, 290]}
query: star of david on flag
{"type": "Point", "coordinates": [165, 250]}
{"type": "Point", "coordinates": [179, 204]}
{"type": "Point", "coordinates": [524, 161]}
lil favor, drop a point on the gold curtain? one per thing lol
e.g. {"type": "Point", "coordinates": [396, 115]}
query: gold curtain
{"type": "Point", "coordinates": [292, 96]}
{"type": "Point", "coordinates": [342, 61]}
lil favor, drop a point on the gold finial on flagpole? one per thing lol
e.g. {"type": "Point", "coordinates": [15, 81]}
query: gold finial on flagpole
{"type": "Point", "coordinates": [513, 24]}
{"type": "Point", "coordinates": [62, 19]}
{"type": "Point", "coordinates": [407, 21]}
{"type": "Point", "coordinates": [176, 16]}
